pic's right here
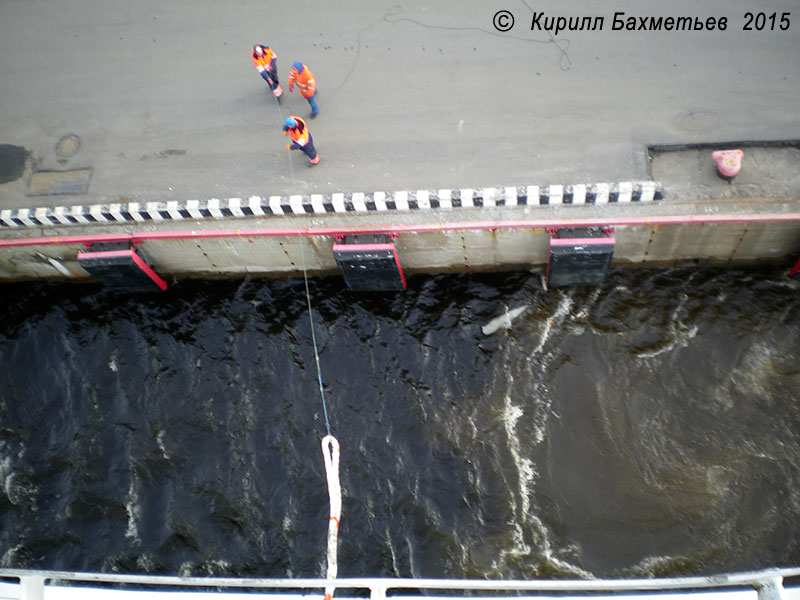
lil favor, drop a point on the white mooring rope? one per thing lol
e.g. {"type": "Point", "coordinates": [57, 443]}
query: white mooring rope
{"type": "Point", "coordinates": [330, 452]}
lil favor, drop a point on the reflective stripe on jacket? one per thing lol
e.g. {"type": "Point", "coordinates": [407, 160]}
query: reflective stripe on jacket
{"type": "Point", "coordinates": [262, 62]}
{"type": "Point", "coordinates": [299, 134]}
{"type": "Point", "coordinates": [304, 80]}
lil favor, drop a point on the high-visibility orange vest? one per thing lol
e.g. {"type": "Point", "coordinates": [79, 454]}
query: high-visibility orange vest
{"type": "Point", "coordinates": [263, 60]}
{"type": "Point", "coordinates": [304, 80]}
{"type": "Point", "coordinates": [300, 133]}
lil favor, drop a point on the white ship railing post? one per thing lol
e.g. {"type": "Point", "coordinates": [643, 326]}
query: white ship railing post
{"type": "Point", "coordinates": [377, 591]}
{"type": "Point", "coordinates": [31, 587]}
{"type": "Point", "coordinates": [770, 589]}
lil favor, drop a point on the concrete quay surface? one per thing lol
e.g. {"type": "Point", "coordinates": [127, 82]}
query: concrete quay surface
{"type": "Point", "coordinates": [164, 104]}
{"type": "Point", "coordinates": [146, 122]}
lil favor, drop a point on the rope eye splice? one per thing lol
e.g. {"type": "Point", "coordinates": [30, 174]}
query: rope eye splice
{"type": "Point", "coordinates": [330, 453]}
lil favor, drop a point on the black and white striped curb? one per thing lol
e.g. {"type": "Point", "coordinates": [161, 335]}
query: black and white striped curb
{"type": "Point", "coordinates": [318, 204]}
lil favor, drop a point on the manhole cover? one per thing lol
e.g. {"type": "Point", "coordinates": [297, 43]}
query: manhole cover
{"type": "Point", "coordinates": [12, 162]}
{"type": "Point", "coordinates": [54, 183]}
{"type": "Point", "coordinates": [68, 145]}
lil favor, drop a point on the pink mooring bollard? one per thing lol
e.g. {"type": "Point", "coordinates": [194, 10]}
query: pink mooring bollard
{"type": "Point", "coordinates": [729, 163]}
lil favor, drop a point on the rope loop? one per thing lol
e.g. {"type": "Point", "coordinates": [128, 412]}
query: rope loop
{"type": "Point", "coordinates": [330, 452]}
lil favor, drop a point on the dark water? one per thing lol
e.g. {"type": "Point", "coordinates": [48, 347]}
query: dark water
{"type": "Point", "coordinates": [648, 427]}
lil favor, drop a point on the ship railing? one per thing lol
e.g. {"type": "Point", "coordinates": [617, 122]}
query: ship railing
{"type": "Point", "coordinates": [770, 584]}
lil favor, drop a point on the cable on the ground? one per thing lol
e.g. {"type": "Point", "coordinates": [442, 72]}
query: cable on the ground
{"type": "Point", "coordinates": [280, 120]}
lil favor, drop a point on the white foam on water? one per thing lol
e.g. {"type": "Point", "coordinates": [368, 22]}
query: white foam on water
{"type": "Point", "coordinates": [566, 567]}
{"type": "Point", "coordinates": [539, 360]}
{"type": "Point", "coordinates": [526, 519]}
{"type": "Point", "coordinates": [9, 558]}
{"type": "Point", "coordinates": [678, 339]}
{"type": "Point", "coordinates": [753, 375]}
{"type": "Point", "coordinates": [653, 565]}
{"type": "Point", "coordinates": [133, 511]}
{"type": "Point", "coordinates": [679, 334]}
{"type": "Point", "coordinates": [5, 474]}
{"type": "Point", "coordinates": [8, 486]}
{"type": "Point", "coordinates": [410, 549]}
{"type": "Point", "coordinates": [160, 442]}
{"type": "Point", "coordinates": [390, 545]}
{"type": "Point", "coordinates": [527, 473]}
{"type": "Point", "coordinates": [558, 317]}
{"type": "Point", "coordinates": [18, 491]}
{"type": "Point", "coordinates": [213, 567]}
{"type": "Point", "coordinates": [146, 563]}
{"type": "Point", "coordinates": [789, 284]}
{"type": "Point", "coordinates": [518, 547]}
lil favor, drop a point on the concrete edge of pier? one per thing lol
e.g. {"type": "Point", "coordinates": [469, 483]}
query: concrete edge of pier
{"type": "Point", "coordinates": [684, 215]}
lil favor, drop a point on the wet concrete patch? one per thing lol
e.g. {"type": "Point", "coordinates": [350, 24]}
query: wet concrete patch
{"type": "Point", "coordinates": [769, 170]}
{"type": "Point", "coordinates": [68, 146]}
{"type": "Point", "coordinates": [12, 162]}
{"type": "Point", "coordinates": [56, 183]}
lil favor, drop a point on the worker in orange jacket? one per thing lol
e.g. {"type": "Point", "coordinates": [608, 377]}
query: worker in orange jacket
{"type": "Point", "coordinates": [304, 78]}
{"type": "Point", "coordinates": [265, 62]}
{"type": "Point", "coordinates": [296, 128]}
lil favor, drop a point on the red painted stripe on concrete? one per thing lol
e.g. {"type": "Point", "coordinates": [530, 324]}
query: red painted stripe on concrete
{"type": "Point", "coordinates": [795, 269]}
{"type": "Point", "coordinates": [104, 254]}
{"type": "Point", "coordinates": [148, 271]}
{"type": "Point", "coordinates": [402, 229]}
{"type": "Point", "coordinates": [399, 266]}
{"type": "Point", "coordinates": [363, 247]}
